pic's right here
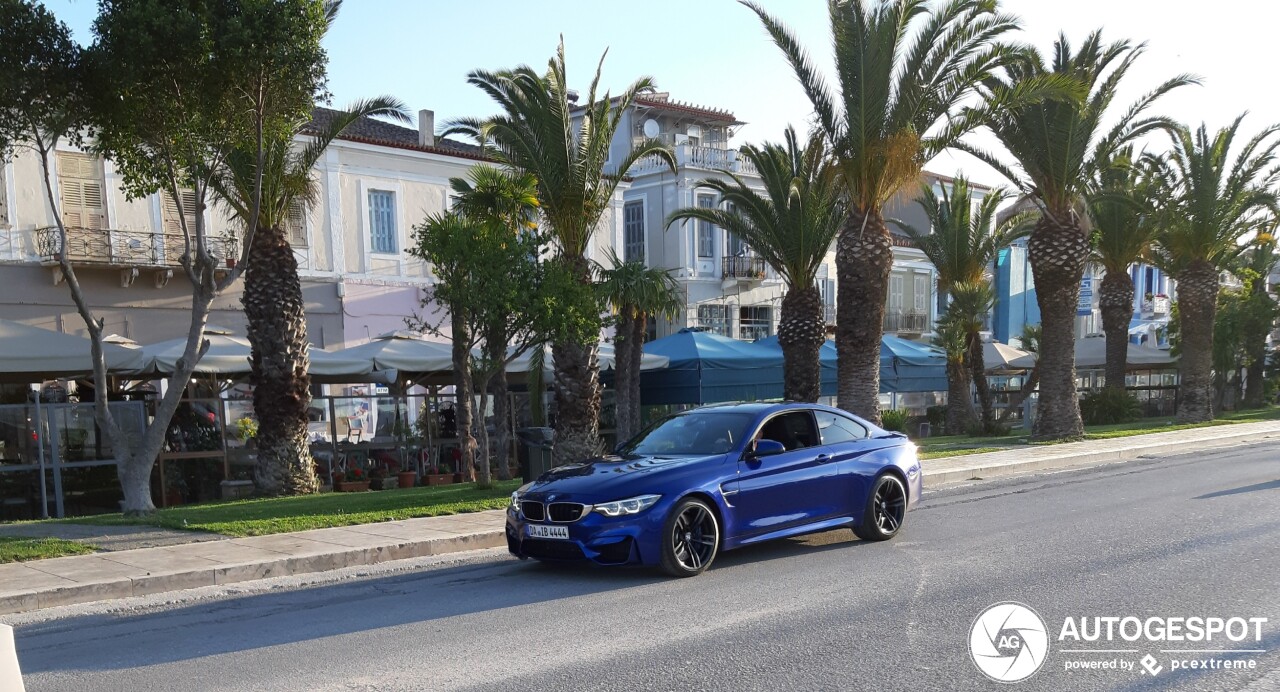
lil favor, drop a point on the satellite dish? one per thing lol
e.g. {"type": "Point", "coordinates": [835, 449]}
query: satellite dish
{"type": "Point", "coordinates": [695, 131]}
{"type": "Point", "coordinates": [651, 128]}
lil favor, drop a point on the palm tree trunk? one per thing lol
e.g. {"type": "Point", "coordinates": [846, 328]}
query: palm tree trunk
{"type": "Point", "coordinates": [1197, 307]}
{"type": "Point", "coordinates": [622, 346]}
{"type": "Point", "coordinates": [639, 329]}
{"type": "Point", "coordinates": [801, 331]}
{"type": "Point", "coordinates": [577, 390]}
{"type": "Point", "coordinates": [960, 413]}
{"type": "Point", "coordinates": [978, 371]}
{"type": "Point", "coordinates": [463, 391]}
{"type": "Point", "coordinates": [1058, 250]}
{"type": "Point", "coordinates": [1116, 302]}
{"type": "Point", "coordinates": [864, 258]}
{"type": "Point", "coordinates": [277, 331]}
{"type": "Point", "coordinates": [484, 473]}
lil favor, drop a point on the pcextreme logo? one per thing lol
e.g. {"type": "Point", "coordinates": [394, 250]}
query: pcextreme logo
{"type": "Point", "coordinates": [1008, 642]}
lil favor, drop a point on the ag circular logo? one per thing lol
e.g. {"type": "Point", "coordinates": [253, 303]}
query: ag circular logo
{"type": "Point", "coordinates": [1008, 642]}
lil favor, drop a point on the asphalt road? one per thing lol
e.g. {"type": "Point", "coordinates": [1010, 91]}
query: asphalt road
{"type": "Point", "coordinates": [1181, 536]}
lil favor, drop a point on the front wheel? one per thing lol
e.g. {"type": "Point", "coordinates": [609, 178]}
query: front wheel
{"type": "Point", "coordinates": [885, 510]}
{"type": "Point", "coordinates": [691, 539]}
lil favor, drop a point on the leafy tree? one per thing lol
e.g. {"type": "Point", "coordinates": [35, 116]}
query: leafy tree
{"type": "Point", "coordinates": [962, 242]}
{"type": "Point", "coordinates": [903, 68]}
{"type": "Point", "coordinates": [1260, 317]}
{"type": "Point", "coordinates": [1210, 196]}
{"type": "Point", "coordinates": [636, 293]}
{"type": "Point", "coordinates": [566, 148]}
{"type": "Point", "coordinates": [168, 90]}
{"type": "Point", "coordinates": [1053, 140]}
{"type": "Point", "coordinates": [791, 226]}
{"type": "Point", "coordinates": [1119, 203]}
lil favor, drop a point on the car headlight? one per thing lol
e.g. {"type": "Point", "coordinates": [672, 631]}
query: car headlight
{"type": "Point", "coordinates": [631, 505]}
{"type": "Point", "coordinates": [515, 497]}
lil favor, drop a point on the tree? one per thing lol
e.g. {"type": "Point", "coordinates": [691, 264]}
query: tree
{"type": "Point", "coordinates": [507, 316]}
{"type": "Point", "coordinates": [962, 242]}
{"type": "Point", "coordinates": [1210, 197]}
{"type": "Point", "coordinates": [791, 226]}
{"type": "Point", "coordinates": [1120, 209]}
{"type": "Point", "coordinates": [566, 148]}
{"type": "Point", "coordinates": [1053, 140]}
{"type": "Point", "coordinates": [168, 90]}
{"type": "Point", "coordinates": [272, 298]}
{"type": "Point", "coordinates": [636, 293]}
{"type": "Point", "coordinates": [1260, 316]}
{"type": "Point", "coordinates": [902, 69]}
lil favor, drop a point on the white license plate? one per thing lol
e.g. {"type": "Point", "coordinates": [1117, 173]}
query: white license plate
{"type": "Point", "coordinates": [544, 531]}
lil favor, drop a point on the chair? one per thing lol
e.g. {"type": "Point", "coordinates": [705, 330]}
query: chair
{"type": "Point", "coordinates": [355, 426]}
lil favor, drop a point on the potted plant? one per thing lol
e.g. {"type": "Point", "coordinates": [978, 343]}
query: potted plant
{"type": "Point", "coordinates": [381, 479]}
{"type": "Point", "coordinates": [407, 478]}
{"type": "Point", "coordinates": [439, 475]}
{"type": "Point", "coordinates": [355, 480]}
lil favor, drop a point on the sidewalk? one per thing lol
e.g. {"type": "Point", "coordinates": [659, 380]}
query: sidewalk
{"type": "Point", "coordinates": [68, 580]}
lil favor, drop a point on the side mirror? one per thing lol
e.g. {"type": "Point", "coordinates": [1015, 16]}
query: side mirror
{"type": "Point", "coordinates": [764, 448]}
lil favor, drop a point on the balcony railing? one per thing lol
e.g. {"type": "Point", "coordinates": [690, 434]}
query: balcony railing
{"type": "Point", "coordinates": [752, 268]}
{"type": "Point", "coordinates": [697, 156]}
{"type": "Point", "coordinates": [113, 248]}
{"type": "Point", "coordinates": [909, 322]}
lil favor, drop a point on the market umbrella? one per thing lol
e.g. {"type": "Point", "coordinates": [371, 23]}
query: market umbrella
{"type": "Point", "coordinates": [998, 357]}
{"type": "Point", "coordinates": [228, 356]}
{"type": "Point", "coordinates": [608, 361]}
{"type": "Point", "coordinates": [31, 354]}
{"type": "Point", "coordinates": [1091, 352]}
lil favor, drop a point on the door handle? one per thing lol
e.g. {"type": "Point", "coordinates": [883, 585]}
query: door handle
{"type": "Point", "coordinates": [822, 458]}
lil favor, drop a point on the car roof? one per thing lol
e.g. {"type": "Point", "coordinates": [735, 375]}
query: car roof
{"type": "Point", "coordinates": [758, 407]}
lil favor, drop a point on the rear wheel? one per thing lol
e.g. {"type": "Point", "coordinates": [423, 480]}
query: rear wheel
{"type": "Point", "coordinates": [885, 510]}
{"type": "Point", "coordinates": [691, 538]}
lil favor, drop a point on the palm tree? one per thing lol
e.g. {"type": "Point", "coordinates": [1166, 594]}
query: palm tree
{"type": "Point", "coordinates": [566, 148]}
{"type": "Point", "coordinates": [952, 339]}
{"type": "Point", "coordinates": [636, 293]}
{"type": "Point", "coordinates": [1210, 197]}
{"type": "Point", "coordinates": [1119, 207]}
{"type": "Point", "coordinates": [791, 226]}
{"type": "Point", "coordinates": [508, 200]}
{"type": "Point", "coordinates": [902, 68]}
{"type": "Point", "coordinates": [1053, 140]}
{"type": "Point", "coordinates": [962, 243]}
{"type": "Point", "coordinates": [272, 298]}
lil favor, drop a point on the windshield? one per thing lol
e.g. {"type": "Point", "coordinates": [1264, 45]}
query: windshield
{"type": "Point", "coordinates": [692, 434]}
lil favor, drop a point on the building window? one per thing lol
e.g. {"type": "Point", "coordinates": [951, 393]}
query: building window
{"type": "Point", "coordinates": [295, 224]}
{"type": "Point", "coordinates": [633, 231]}
{"type": "Point", "coordinates": [827, 289]}
{"type": "Point", "coordinates": [921, 297]}
{"type": "Point", "coordinates": [755, 322]}
{"type": "Point", "coordinates": [714, 318]}
{"type": "Point", "coordinates": [82, 191]}
{"type": "Point", "coordinates": [170, 216]}
{"type": "Point", "coordinates": [706, 231]}
{"type": "Point", "coordinates": [382, 221]}
{"type": "Point", "coordinates": [895, 293]}
{"type": "Point", "coordinates": [735, 246]}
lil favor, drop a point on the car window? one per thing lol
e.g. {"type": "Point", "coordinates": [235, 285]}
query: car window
{"type": "Point", "coordinates": [793, 429]}
{"type": "Point", "coordinates": [836, 428]}
{"type": "Point", "coordinates": [687, 434]}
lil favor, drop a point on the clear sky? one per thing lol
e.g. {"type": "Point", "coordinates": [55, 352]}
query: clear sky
{"type": "Point", "coordinates": [714, 52]}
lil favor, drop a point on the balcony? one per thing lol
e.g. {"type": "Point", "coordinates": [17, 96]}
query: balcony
{"type": "Point", "coordinates": [906, 322]}
{"type": "Point", "coordinates": [697, 156]}
{"type": "Point", "coordinates": [127, 249]}
{"type": "Point", "coordinates": [744, 268]}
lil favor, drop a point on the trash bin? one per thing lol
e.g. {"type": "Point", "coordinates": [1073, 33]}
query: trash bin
{"type": "Point", "coordinates": [535, 451]}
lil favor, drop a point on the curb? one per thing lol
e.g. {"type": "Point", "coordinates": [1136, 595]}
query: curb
{"type": "Point", "coordinates": [986, 471]}
{"type": "Point", "coordinates": [178, 580]}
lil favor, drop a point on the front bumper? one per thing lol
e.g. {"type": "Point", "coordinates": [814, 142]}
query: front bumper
{"type": "Point", "coordinates": [631, 539]}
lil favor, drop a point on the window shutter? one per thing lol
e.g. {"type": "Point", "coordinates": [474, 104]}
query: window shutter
{"type": "Point", "coordinates": [171, 219]}
{"type": "Point", "coordinates": [382, 225]}
{"type": "Point", "coordinates": [922, 294]}
{"type": "Point", "coordinates": [295, 223]}
{"type": "Point", "coordinates": [82, 191]}
{"type": "Point", "coordinates": [895, 292]}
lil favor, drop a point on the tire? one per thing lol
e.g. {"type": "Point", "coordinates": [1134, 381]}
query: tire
{"type": "Point", "coordinates": [885, 511]}
{"type": "Point", "coordinates": [690, 538]}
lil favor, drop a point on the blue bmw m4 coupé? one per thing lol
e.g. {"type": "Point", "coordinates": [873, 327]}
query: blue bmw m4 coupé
{"type": "Point", "coordinates": [716, 478]}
